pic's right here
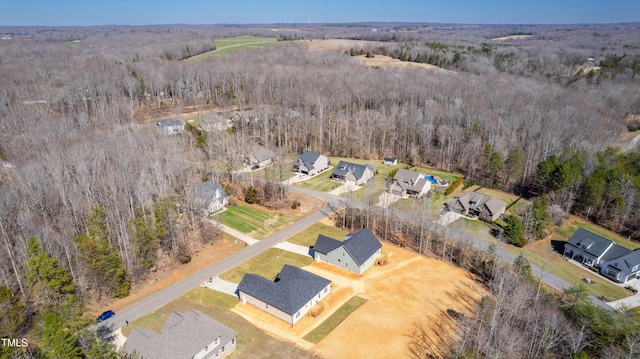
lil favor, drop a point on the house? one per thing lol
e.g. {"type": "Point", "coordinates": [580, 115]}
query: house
{"type": "Point", "coordinates": [356, 254]}
{"type": "Point", "coordinates": [210, 197]}
{"type": "Point", "coordinates": [171, 126]}
{"type": "Point", "coordinates": [390, 161]}
{"type": "Point", "coordinates": [259, 156]}
{"type": "Point", "coordinates": [591, 249]}
{"type": "Point", "coordinates": [407, 183]}
{"type": "Point", "coordinates": [214, 123]}
{"type": "Point", "coordinates": [310, 163]}
{"type": "Point", "coordinates": [189, 335]}
{"type": "Point", "coordinates": [351, 173]}
{"type": "Point", "coordinates": [623, 268]}
{"type": "Point", "coordinates": [293, 293]}
{"type": "Point", "coordinates": [478, 204]}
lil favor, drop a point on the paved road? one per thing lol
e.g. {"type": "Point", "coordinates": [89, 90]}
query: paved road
{"type": "Point", "coordinates": [165, 295]}
{"type": "Point", "coordinates": [333, 203]}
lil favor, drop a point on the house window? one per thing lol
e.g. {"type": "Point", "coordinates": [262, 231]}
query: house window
{"type": "Point", "coordinates": [339, 260]}
{"type": "Point", "coordinates": [298, 314]}
{"type": "Point", "coordinates": [266, 306]}
{"type": "Point", "coordinates": [233, 340]}
{"type": "Point", "coordinates": [222, 349]}
{"type": "Point", "coordinates": [206, 349]}
{"type": "Point", "coordinates": [326, 289]}
{"type": "Point", "coordinates": [343, 254]}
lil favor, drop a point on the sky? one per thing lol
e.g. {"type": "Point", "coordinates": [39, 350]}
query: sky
{"type": "Point", "coordinates": [151, 12]}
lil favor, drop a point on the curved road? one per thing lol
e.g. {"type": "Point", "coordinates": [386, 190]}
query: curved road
{"type": "Point", "coordinates": [333, 203]}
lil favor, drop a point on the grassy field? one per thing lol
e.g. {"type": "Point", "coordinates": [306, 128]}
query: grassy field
{"type": "Point", "coordinates": [321, 183]}
{"type": "Point", "coordinates": [321, 331]}
{"type": "Point", "coordinates": [267, 264]}
{"type": "Point", "coordinates": [229, 44]}
{"type": "Point", "coordinates": [515, 204]}
{"type": "Point", "coordinates": [252, 342]}
{"type": "Point", "coordinates": [252, 220]}
{"type": "Point", "coordinates": [308, 236]}
{"type": "Point", "coordinates": [574, 223]}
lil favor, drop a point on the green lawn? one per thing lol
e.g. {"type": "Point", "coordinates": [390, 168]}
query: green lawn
{"type": "Point", "coordinates": [321, 183]}
{"type": "Point", "coordinates": [267, 264]}
{"type": "Point", "coordinates": [308, 236]}
{"type": "Point", "coordinates": [252, 342]}
{"type": "Point", "coordinates": [322, 330]}
{"type": "Point", "coordinates": [571, 226]}
{"type": "Point", "coordinates": [229, 44]}
{"type": "Point", "coordinates": [254, 221]}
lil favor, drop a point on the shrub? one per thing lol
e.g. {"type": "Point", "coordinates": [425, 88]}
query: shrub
{"type": "Point", "coordinates": [295, 204]}
{"type": "Point", "coordinates": [457, 183]}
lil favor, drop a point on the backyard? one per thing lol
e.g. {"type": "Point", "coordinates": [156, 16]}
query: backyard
{"type": "Point", "coordinates": [267, 264]}
{"type": "Point", "coordinates": [308, 236]}
{"type": "Point", "coordinates": [253, 221]}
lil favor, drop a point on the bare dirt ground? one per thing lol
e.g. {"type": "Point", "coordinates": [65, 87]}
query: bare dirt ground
{"type": "Point", "coordinates": [340, 44]}
{"type": "Point", "coordinates": [389, 62]}
{"type": "Point", "coordinates": [513, 37]}
{"type": "Point", "coordinates": [205, 256]}
{"type": "Point", "coordinates": [410, 288]}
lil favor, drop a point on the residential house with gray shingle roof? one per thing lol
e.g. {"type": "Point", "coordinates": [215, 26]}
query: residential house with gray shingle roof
{"type": "Point", "coordinates": [184, 336]}
{"type": "Point", "coordinates": [478, 204]}
{"type": "Point", "coordinates": [171, 126]}
{"type": "Point", "coordinates": [289, 297]}
{"type": "Point", "coordinates": [210, 197]}
{"type": "Point", "coordinates": [310, 163]}
{"type": "Point", "coordinates": [623, 268]}
{"type": "Point", "coordinates": [591, 249]}
{"type": "Point", "coordinates": [259, 156]}
{"type": "Point", "coordinates": [352, 173]}
{"type": "Point", "coordinates": [356, 254]}
{"type": "Point", "coordinates": [407, 183]}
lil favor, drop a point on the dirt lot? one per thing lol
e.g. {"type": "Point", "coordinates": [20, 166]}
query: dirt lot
{"type": "Point", "coordinates": [513, 37]}
{"type": "Point", "coordinates": [340, 45]}
{"type": "Point", "coordinates": [408, 289]}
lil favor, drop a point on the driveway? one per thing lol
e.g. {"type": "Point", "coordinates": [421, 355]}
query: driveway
{"type": "Point", "coordinates": [386, 199]}
{"type": "Point", "coordinates": [448, 217]}
{"type": "Point", "coordinates": [345, 188]}
{"type": "Point", "coordinates": [221, 285]}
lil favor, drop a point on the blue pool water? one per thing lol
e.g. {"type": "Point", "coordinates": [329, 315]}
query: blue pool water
{"type": "Point", "coordinates": [431, 179]}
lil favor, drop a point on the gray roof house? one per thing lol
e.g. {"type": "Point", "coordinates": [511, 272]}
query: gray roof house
{"type": "Point", "coordinates": [310, 163]}
{"type": "Point", "coordinates": [189, 335]}
{"type": "Point", "coordinates": [259, 156]}
{"type": "Point", "coordinates": [293, 293]}
{"type": "Point", "coordinates": [408, 184]}
{"type": "Point", "coordinates": [210, 197]}
{"type": "Point", "coordinates": [591, 249]}
{"type": "Point", "coordinates": [478, 204]}
{"type": "Point", "coordinates": [171, 126]}
{"type": "Point", "coordinates": [623, 268]}
{"type": "Point", "coordinates": [352, 173]}
{"type": "Point", "coordinates": [356, 254]}
{"type": "Point", "coordinates": [214, 123]}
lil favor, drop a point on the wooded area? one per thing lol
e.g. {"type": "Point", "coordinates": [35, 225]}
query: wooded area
{"type": "Point", "coordinates": [87, 180]}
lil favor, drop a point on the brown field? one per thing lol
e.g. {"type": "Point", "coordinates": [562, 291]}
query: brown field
{"type": "Point", "coordinates": [513, 37]}
{"type": "Point", "coordinates": [341, 45]}
{"type": "Point", "coordinates": [408, 289]}
{"type": "Point", "coordinates": [389, 62]}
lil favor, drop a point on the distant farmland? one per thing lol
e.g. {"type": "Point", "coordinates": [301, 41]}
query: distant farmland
{"type": "Point", "coordinates": [229, 44]}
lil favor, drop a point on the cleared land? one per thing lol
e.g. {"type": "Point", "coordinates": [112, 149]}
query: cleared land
{"type": "Point", "coordinates": [513, 37]}
{"type": "Point", "coordinates": [224, 45]}
{"type": "Point", "coordinates": [383, 61]}
{"type": "Point", "coordinates": [322, 330]}
{"type": "Point", "coordinates": [267, 264]}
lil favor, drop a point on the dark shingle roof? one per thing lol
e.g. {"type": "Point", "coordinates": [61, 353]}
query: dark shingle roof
{"type": "Point", "coordinates": [389, 159]}
{"type": "Point", "coordinates": [182, 336]}
{"type": "Point", "coordinates": [261, 153]}
{"type": "Point", "coordinates": [627, 262]}
{"type": "Point", "coordinates": [292, 289]}
{"type": "Point", "coordinates": [343, 168]}
{"type": "Point", "coordinates": [596, 245]}
{"type": "Point", "coordinates": [326, 244]}
{"type": "Point", "coordinates": [362, 245]}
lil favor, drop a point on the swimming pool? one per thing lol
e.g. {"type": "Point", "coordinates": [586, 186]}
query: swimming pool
{"type": "Point", "coordinates": [431, 179]}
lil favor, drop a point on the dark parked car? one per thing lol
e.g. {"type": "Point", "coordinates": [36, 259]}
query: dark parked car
{"type": "Point", "coordinates": [106, 315]}
{"type": "Point", "coordinates": [255, 167]}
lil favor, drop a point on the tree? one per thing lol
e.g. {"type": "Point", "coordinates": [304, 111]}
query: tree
{"type": "Point", "coordinates": [46, 278]}
{"type": "Point", "coordinates": [13, 313]}
{"type": "Point", "coordinates": [251, 195]}
{"type": "Point", "coordinates": [541, 217]}
{"type": "Point", "coordinates": [514, 231]}
{"type": "Point", "coordinates": [522, 266]}
{"type": "Point", "coordinates": [59, 341]}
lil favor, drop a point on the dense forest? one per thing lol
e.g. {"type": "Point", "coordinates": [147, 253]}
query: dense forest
{"type": "Point", "coordinates": [89, 188]}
